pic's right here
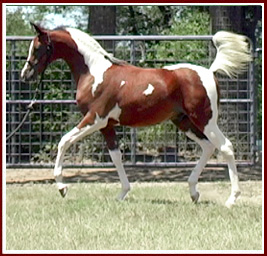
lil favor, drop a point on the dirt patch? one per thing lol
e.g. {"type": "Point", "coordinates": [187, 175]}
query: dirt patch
{"type": "Point", "coordinates": [137, 174]}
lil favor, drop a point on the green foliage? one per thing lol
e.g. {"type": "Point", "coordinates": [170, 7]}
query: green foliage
{"type": "Point", "coordinates": [18, 20]}
{"type": "Point", "coordinates": [15, 24]}
{"type": "Point", "coordinates": [191, 23]}
{"type": "Point", "coordinates": [144, 20]}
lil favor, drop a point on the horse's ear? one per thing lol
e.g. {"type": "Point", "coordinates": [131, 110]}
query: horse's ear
{"type": "Point", "coordinates": [37, 28]}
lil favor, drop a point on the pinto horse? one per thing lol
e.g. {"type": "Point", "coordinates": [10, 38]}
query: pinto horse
{"type": "Point", "coordinates": [112, 92]}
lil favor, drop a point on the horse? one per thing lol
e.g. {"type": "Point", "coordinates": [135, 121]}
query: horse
{"type": "Point", "coordinates": [113, 92]}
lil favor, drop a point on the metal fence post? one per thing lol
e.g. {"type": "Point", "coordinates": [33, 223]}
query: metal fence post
{"type": "Point", "coordinates": [253, 114]}
{"type": "Point", "coordinates": [253, 83]}
{"type": "Point", "coordinates": [133, 130]}
{"type": "Point", "coordinates": [13, 97]}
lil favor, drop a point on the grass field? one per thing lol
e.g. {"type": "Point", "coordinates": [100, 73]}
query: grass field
{"type": "Point", "coordinates": [155, 216]}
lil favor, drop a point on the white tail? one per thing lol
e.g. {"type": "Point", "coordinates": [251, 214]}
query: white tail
{"type": "Point", "coordinates": [233, 53]}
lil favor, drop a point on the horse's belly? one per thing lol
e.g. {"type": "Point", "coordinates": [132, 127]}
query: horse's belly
{"type": "Point", "coordinates": [138, 117]}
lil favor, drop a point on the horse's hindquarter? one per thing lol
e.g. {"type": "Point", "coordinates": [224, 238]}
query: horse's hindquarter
{"type": "Point", "coordinates": [198, 93]}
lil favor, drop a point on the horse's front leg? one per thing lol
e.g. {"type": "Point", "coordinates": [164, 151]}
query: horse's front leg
{"type": "Point", "coordinates": [115, 154]}
{"type": "Point", "coordinates": [63, 145]}
{"type": "Point", "coordinates": [88, 125]}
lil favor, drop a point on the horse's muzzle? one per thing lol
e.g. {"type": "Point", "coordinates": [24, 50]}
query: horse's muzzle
{"type": "Point", "coordinates": [28, 75]}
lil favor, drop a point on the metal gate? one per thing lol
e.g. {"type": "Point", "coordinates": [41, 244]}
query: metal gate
{"type": "Point", "coordinates": [55, 112]}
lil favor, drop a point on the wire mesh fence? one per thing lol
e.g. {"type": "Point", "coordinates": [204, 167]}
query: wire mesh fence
{"type": "Point", "coordinates": [55, 111]}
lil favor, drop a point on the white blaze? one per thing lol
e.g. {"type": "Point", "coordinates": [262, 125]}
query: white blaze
{"type": "Point", "coordinates": [29, 56]}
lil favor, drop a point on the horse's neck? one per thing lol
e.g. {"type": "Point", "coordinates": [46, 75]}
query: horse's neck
{"type": "Point", "coordinates": [91, 50]}
{"type": "Point", "coordinates": [89, 58]}
{"type": "Point", "coordinates": [77, 66]}
{"type": "Point", "coordinates": [81, 65]}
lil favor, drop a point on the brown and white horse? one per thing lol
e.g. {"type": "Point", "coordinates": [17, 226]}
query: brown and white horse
{"type": "Point", "coordinates": [112, 92]}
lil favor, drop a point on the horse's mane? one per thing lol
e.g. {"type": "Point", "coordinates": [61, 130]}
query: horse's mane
{"type": "Point", "coordinates": [116, 61]}
{"type": "Point", "coordinates": [107, 55]}
{"type": "Point", "coordinates": [60, 28]}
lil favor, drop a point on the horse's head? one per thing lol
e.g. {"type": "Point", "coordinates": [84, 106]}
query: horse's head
{"type": "Point", "coordinates": [40, 54]}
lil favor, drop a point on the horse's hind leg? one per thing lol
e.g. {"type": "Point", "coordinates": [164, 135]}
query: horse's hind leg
{"type": "Point", "coordinates": [115, 154]}
{"type": "Point", "coordinates": [214, 134]}
{"type": "Point", "coordinates": [208, 148]}
{"type": "Point", "coordinates": [207, 151]}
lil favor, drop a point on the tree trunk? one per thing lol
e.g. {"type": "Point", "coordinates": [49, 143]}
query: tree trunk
{"type": "Point", "coordinates": [238, 19]}
{"type": "Point", "coordinates": [102, 21]}
{"type": "Point", "coordinates": [228, 18]}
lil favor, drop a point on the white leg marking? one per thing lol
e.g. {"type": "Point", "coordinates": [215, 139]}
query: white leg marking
{"type": "Point", "coordinates": [75, 135]}
{"type": "Point", "coordinates": [66, 141]}
{"type": "Point", "coordinates": [117, 160]}
{"type": "Point", "coordinates": [149, 90]}
{"type": "Point", "coordinates": [207, 151]}
{"type": "Point", "coordinates": [226, 148]}
{"type": "Point", "coordinates": [63, 145]}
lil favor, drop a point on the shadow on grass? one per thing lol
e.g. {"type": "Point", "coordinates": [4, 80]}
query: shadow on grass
{"type": "Point", "coordinates": [175, 202]}
{"type": "Point", "coordinates": [165, 175]}
{"type": "Point", "coordinates": [139, 174]}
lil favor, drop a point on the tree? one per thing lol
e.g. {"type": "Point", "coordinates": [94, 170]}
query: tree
{"type": "Point", "coordinates": [244, 20]}
{"type": "Point", "coordinates": [239, 19]}
{"type": "Point", "coordinates": [16, 23]}
{"type": "Point", "coordinates": [102, 20]}
{"type": "Point", "coordinates": [190, 22]}
{"type": "Point", "coordinates": [145, 20]}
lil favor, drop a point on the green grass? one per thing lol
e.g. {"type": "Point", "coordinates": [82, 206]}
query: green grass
{"type": "Point", "coordinates": [155, 216]}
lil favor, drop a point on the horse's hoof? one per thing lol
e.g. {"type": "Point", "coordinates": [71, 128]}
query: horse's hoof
{"type": "Point", "coordinates": [122, 195]}
{"type": "Point", "coordinates": [63, 191]}
{"type": "Point", "coordinates": [232, 199]}
{"type": "Point", "coordinates": [195, 198]}
{"type": "Point", "coordinates": [229, 204]}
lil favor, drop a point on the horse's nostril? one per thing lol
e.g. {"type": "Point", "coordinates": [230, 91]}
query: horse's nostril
{"type": "Point", "coordinates": [26, 75]}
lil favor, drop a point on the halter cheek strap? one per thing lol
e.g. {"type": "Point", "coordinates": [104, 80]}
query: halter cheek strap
{"type": "Point", "coordinates": [49, 49]}
{"type": "Point", "coordinates": [49, 46]}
